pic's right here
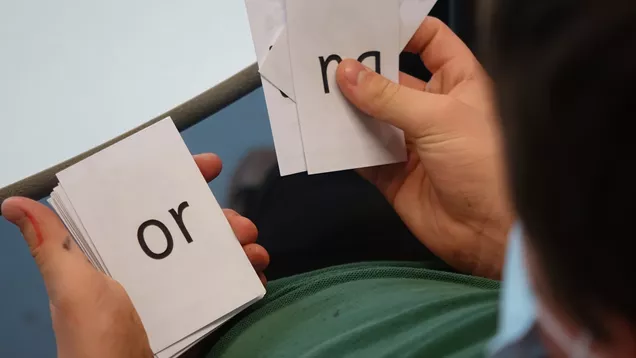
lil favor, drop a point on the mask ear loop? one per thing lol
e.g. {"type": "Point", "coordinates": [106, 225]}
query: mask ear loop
{"type": "Point", "coordinates": [582, 348]}
{"type": "Point", "coordinates": [573, 347]}
{"type": "Point", "coordinates": [554, 330]}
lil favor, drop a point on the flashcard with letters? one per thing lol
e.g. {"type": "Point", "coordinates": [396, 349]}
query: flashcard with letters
{"type": "Point", "coordinates": [324, 133]}
{"type": "Point", "coordinates": [143, 214]}
{"type": "Point", "coordinates": [336, 136]}
{"type": "Point", "coordinates": [267, 21]}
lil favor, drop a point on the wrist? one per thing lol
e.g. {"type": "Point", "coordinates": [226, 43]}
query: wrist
{"type": "Point", "coordinates": [493, 243]}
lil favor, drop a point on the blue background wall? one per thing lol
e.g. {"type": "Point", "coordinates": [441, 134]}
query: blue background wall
{"type": "Point", "coordinates": [25, 323]}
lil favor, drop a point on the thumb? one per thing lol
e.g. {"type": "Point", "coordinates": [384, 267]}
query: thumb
{"type": "Point", "coordinates": [413, 111]}
{"type": "Point", "coordinates": [60, 261]}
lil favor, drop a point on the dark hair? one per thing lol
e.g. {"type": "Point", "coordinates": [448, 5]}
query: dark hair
{"type": "Point", "coordinates": [565, 77]}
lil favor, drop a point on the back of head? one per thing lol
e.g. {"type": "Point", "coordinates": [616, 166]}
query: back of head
{"type": "Point", "coordinates": [565, 72]}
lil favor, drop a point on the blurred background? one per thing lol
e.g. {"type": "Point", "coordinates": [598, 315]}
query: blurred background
{"type": "Point", "coordinates": [241, 128]}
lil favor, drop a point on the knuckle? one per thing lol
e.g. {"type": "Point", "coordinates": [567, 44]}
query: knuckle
{"type": "Point", "coordinates": [66, 304]}
{"type": "Point", "coordinates": [113, 301]}
{"type": "Point", "coordinates": [442, 121]}
{"type": "Point", "coordinates": [118, 296]}
{"type": "Point", "coordinates": [382, 97]}
{"type": "Point", "coordinates": [446, 104]}
{"type": "Point", "coordinates": [36, 253]}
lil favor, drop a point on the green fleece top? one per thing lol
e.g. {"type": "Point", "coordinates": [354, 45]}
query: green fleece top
{"type": "Point", "coordinates": [367, 310]}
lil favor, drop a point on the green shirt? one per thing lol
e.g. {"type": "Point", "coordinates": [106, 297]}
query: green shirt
{"type": "Point", "coordinates": [367, 310]}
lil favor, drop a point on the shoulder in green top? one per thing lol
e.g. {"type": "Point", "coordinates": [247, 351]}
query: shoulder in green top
{"type": "Point", "coordinates": [367, 310]}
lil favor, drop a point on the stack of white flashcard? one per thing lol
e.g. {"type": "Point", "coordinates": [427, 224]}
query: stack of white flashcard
{"type": "Point", "coordinates": [299, 44]}
{"type": "Point", "coordinates": [142, 213]}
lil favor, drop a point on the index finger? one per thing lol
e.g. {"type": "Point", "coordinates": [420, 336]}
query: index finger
{"type": "Point", "coordinates": [438, 45]}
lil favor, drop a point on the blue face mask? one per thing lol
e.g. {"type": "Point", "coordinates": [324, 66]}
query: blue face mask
{"type": "Point", "coordinates": [517, 311]}
{"type": "Point", "coordinates": [518, 333]}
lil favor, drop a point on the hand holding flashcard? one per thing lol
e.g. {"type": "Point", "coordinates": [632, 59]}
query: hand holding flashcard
{"type": "Point", "coordinates": [92, 316]}
{"type": "Point", "coordinates": [329, 133]}
{"type": "Point", "coordinates": [336, 136]}
{"type": "Point", "coordinates": [142, 211]}
{"type": "Point", "coordinates": [84, 298]}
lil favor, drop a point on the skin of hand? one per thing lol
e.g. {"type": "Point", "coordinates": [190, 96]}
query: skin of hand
{"type": "Point", "coordinates": [452, 192]}
{"type": "Point", "coordinates": [92, 314]}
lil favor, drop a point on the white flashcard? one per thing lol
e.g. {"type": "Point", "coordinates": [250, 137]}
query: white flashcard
{"type": "Point", "coordinates": [79, 230]}
{"type": "Point", "coordinates": [335, 135]}
{"type": "Point", "coordinates": [267, 20]}
{"type": "Point", "coordinates": [157, 227]}
{"type": "Point", "coordinates": [277, 65]}
{"type": "Point", "coordinates": [188, 342]}
{"type": "Point", "coordinates": [412, 14]}
{"type": "Point", "coordinates": [269, 28]}
{"type": "Point", "coordinates": [288, 142]}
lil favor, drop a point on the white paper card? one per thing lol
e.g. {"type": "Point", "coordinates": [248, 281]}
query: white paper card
{"type": "Point", "coordinates": [267, 20]}
{"type": "Point", "coordinates": [277, 65]}
{"type": "Point", "coordinates": [187, 343]}
{"type": "Point", "coordinates": [147, 191]}
{"type": "Point", "coordinates": [335, 135]}
{"type": "Point", "coordinates": [76, 223]}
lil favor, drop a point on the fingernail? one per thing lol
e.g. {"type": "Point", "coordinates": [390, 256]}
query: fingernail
{"type": "Point", "coordinates": [13, 213]}
{"type": "Point", "coordinates": [354, 73]}
{"type": "Point", "coordinates": [24, 221]}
